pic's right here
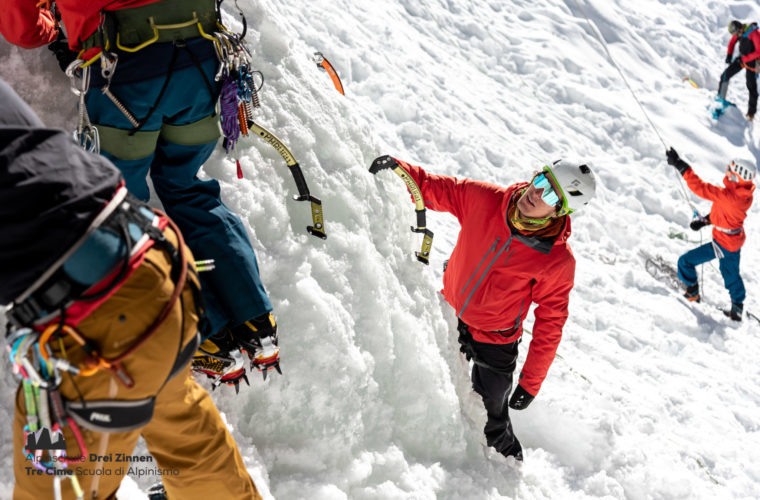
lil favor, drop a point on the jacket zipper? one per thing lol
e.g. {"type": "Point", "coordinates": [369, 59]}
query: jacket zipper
{"type": "Point", "coordinates": [485, 272]}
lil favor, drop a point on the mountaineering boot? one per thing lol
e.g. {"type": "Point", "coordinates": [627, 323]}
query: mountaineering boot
{"type": "Point", "coordinates": [692, 293]}
{"type": "Point", "coordinates": [220, 358]}
{"type": "Point", "coordinates": [735, 313]}
{"type": "Point", "coordinates": [750, 117]}
{"type": "Point", "coordinates": [258, 338]}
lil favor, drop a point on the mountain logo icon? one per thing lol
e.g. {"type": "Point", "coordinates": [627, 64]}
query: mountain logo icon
{"type": "Point", "coordinates": [41, 440]}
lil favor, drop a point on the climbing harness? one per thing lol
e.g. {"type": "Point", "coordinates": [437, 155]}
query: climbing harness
{"type": "Point", "coordinates": [387, 162]}
{"type": "Point", "coordinates": [323, 63]}
{"type": "Point", "coordinates": [133, 29]}
{"type": "Point", "coordinates": [39, 358]}
{"type": "Point", "coordinates": [466, 347]}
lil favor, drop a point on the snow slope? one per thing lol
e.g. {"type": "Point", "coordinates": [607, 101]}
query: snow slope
{"type": "Point", "coordinates": [649, 398]}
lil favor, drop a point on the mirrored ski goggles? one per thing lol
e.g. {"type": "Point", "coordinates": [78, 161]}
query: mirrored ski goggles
{"type": "Point", "coordinates": [554, 198]}
{"type": "Point", "coordinates": [549, 196]}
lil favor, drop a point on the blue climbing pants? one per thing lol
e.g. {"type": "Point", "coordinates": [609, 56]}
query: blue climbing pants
{"type": "Point", "coordinates": [729, 268]}
{"type": "Point", "coordinates": [178, 136]}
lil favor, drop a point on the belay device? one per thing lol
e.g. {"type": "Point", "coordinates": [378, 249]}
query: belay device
{"type": "Point", "coordinates": [389, 162]}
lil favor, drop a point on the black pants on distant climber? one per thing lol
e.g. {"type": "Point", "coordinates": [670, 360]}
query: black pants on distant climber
{"type": "Point", "coordinates": [751, 75]}
{"type": "Point", "coordinates": [492, 379]}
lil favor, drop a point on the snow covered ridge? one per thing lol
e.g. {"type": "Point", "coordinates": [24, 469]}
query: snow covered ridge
{"type": "Point", "coordinates": [650, 398]}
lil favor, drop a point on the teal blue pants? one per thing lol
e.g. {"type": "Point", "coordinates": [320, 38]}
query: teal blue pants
{"type": "Point", "coordinates": [171, 147]}
{"type": "Point", "coordinates": [728, 264]}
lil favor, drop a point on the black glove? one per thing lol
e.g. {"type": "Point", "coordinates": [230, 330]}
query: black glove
{"type": "Point", "coordinates": [520, 399]}
{"type": "Point", "coordinates": [60, 48]}
{"type": "Point", "coordinates": [676, 161]}
{"type": "Point", "coordinates": [729, 58]}
{"type": "Point", "coordinates": [700, 222]}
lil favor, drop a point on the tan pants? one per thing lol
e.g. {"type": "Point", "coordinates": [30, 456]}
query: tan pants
{"type": "Point", "coordinates": [186, 436]}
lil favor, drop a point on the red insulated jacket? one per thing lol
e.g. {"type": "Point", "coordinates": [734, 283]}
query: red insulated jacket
{"type": "Point", "coordinates": [754, 35]}
{"type": "Point", "coordinates": [25, 24]}
{"type": "Point", "coordinates": [729, 209]}
{"type": "Point", "coordinates": [495, 273]}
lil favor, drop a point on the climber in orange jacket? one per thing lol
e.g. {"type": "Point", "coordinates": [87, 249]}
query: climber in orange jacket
{"type": "Point", "coordinates": [511, 251]}
{"type": "Point", "coordinates": [730, 206]}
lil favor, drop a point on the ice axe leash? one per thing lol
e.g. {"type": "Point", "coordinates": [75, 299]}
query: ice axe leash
{"type": "Point", "coordinates": [388, 162]}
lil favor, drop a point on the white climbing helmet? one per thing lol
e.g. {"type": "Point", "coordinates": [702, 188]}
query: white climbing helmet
{"type": "Point", "coordinates": [744, 169]}
{"type": "Point", "coordinates": [576, 181]}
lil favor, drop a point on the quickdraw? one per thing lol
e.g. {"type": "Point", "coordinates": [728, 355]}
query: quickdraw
{"type": "Point", "coordinates": [387, 162]}
{"type": "Point", "coordinates": [86, 134]}
{"type": "Point", "coordinates": [323, 63]}
{"type": "Point", "coordinates": [40, 377]}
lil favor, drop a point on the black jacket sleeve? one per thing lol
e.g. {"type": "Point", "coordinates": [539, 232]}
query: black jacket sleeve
{"type": "Point", "coordinates": [50, 191]}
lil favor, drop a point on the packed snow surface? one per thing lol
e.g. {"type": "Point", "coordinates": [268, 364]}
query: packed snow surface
{"type": "Point", "coordinates": [649, 398]}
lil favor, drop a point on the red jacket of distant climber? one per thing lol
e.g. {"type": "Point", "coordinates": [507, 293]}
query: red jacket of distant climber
{"type": "Point", "coordinates": [754, 36]}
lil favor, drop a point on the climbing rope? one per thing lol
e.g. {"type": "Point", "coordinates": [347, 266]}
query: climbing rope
{"type": "Point", "coordinates": [600, 37]}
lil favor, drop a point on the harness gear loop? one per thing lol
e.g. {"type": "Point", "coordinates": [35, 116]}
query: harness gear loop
{"type": "Point", "coordinates": [388, 162]}
{"type": "Point", "coordinates": [156, 27]}
{"type": "Point", "coordinates": [134, 28]}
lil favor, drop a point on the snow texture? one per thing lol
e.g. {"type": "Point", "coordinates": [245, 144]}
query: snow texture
{"type": "Point", "coordinates": [649, 398]}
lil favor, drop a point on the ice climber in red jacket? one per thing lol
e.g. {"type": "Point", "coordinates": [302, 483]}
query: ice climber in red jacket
{"type": "Point", "coordinates": [511, 251]}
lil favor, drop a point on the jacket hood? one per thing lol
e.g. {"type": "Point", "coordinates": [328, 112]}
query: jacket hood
{"type": "Point", "coordinates": [50, 191]}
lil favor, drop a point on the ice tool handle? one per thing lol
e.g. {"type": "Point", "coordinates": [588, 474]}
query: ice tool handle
{"type": "Point", "coordinates": [388, 162]}
{"type": "Point", "coordinates": [318, 229]}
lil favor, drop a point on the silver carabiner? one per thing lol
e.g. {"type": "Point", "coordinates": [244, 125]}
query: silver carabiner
{"type": "Point", "coordinates": [87, 138]}
{"type": "Point", "coordinates": [80, 84]}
